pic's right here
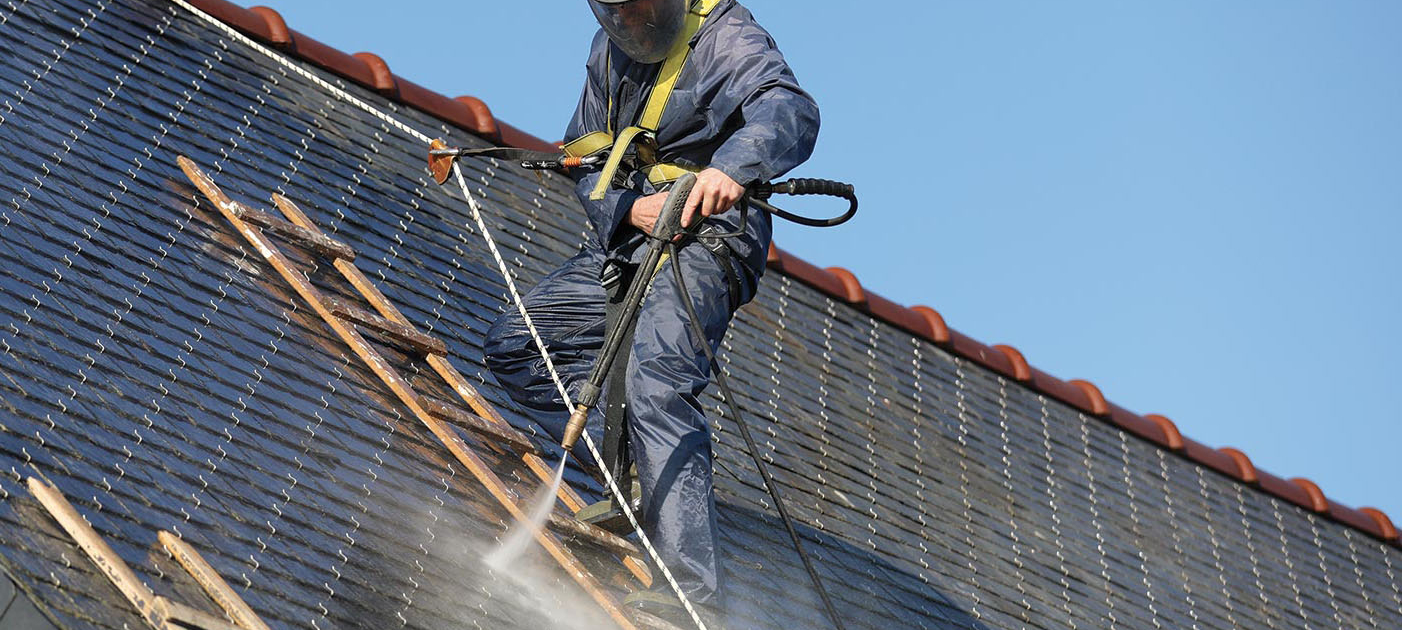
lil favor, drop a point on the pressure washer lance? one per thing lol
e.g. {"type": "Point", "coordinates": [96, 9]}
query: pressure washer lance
{"type": "Point", "coordinates": [441, 157]}
{"type": "Point", "coordinates": [668, 225]}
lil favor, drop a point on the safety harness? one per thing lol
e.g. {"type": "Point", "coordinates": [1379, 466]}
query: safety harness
{"type": "Point", "coordinates": [642, 136]}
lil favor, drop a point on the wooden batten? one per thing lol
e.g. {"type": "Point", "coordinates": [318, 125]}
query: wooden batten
{"type": "Point", "coordinates": [472, 422]}
{"type": "Point", "coordinates": [577, 529]}
{"type": "Point", "coordinates": [173, 615]}
{"type": "Point", "coordinates": [97, 550]}
{"type": "Point", "coordinates": [299, 236]}
{"type": "Point", "coordinates": [213, 585]}
{"type": "Point", "coordinates": [400, 334]}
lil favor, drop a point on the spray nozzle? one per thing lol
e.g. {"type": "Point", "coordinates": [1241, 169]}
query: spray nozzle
{"type": "Point", "coordinates": [575, 427]}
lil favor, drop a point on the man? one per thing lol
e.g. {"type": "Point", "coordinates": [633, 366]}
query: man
{"type": "Point", "coordinates": [673, 86]}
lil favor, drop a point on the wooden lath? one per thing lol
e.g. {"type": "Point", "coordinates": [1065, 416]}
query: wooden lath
{"type": "Point", "coordinates": [473, 422]}
{"type": "Point", "coordinates": [401, 334]}
{"type": "Point", "coordinates": [446, 434]}
{"type": "Point", "coordinates": [157, 611]}
{"type": "Point", "coordinates": [306, 239]}
{"type": "Point", "coordinates": [209, 580]}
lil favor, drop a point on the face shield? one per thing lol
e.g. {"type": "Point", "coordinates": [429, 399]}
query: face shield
{"type": "Point", "coordinates": [644, 29]}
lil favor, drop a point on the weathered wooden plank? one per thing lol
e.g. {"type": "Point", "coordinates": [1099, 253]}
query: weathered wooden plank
{"type": "Point", "coordinates": [97, 550]}
{"type": "Point", "coordinates": [177, 616]}
{"type": "Point", "coordinates": [472, 422]}
{"type": "Point", "coordinates": [575, 528]}
{"type": "Point", "coordinates": [404, 392]}
{"type": "Point", "coordinates": [209, 579]}
{"type": "Point", "coordinates": [401, 334]}
{"type": "Point", "coordinates": [299, 236]}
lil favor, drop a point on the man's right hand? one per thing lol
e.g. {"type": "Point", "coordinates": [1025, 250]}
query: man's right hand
{"type": "Point", "coordinates": [644, 213]}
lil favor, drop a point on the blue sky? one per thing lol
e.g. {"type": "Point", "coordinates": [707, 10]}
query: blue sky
{"type": "Point", "coordinates": [1195, 205]}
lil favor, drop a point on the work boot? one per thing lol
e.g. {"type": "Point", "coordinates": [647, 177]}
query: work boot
{"type": "Point", "coordinates": [663, 611]}
{"type": "Point", "coordinates": [606, 515]}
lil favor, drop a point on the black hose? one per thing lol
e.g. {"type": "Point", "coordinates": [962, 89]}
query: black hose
{"type": "Point", "coordinates": [745, 433]}
{"type": "Point", "coordinates": [803, 186]}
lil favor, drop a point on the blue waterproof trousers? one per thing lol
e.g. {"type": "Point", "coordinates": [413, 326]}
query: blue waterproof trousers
{"type": "Point", "coordinates": [667, 371]}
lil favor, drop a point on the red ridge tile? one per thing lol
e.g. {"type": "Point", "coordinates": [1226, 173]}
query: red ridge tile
{"type": "Point", "coordinates": [980, 354]}
{"type": "Point", "coordinates": [1172, 438]}
{"type": "Point", "coordinates": [1385, 527]}
{"type": "Point", "coordinates": [332, 59]}
{"type": "Point", "coordinates": [939, 332]}
{"type": "Point", "coordinates": [1246, 471]}
{"type": "Point", "coordinates": [1216, 460]}
{"type": "Point", "coordinates": [851, 286]}
{"type": "Point", "coordinates": [1135, 424]}
{"type": "Point", "coordinates": [276, 27]}
{"type": "Point", "coordinates": [511, 136]}
{"type": "Point", "coordinates": [1285, 490]}
{"type": "Point", "coordinates": [236, 16]}
{"type": "Point", "coordinates": [774, 258]}
{"type": "Point", "coordinates": [820, 279]}
{"type": "Point", "coordinates": [441, 106]}
{"type": "Point", "coordinates": [1355, 518]}
{"type": "Point", "coordinates": [898, 315]}
{"type": "Point", "coordinates": [486, 122]}
{"type": "Point", "coordinates": [384, 82]}
{"type": "Point", "coordinates": [1022, 372]}
{"type": "Point", "coordinates": [1098, 406]}
{"type": "Point", "coordinates": [1318, 502]}
{"type": "Point", "coordinates": [1058, 389]}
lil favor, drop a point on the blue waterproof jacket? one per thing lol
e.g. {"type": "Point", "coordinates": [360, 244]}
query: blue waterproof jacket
{"type": "Point", "coordinates": [736, 107]}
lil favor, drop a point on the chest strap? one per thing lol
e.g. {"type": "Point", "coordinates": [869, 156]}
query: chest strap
{"type": "Point", "coordinates": [651, 118]}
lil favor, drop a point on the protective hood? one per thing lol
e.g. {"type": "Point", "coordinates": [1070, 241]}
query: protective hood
{"type": "Point", "coordinates": [644, 29]}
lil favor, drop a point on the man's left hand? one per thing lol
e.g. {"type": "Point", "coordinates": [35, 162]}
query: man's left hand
{"type": "Point", "coordinates": [713, 194]}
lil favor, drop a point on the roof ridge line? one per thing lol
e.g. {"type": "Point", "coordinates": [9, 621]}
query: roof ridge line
{"type": "Point", "coordinates": [472, 114]}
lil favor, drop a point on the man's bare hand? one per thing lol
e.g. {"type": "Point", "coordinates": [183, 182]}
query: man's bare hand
{"type": "Point", "coordinates": [644, 213]}
{"type": "Point", "coordinates": [714, 193]}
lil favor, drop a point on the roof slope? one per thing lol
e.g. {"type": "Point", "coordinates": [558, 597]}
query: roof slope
{"type": "Point", "coordinates": [164, 377]}
{"type": "Point", "coordinates": [467, 112]}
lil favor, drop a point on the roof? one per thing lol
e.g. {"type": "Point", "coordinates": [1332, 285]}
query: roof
{"type": "Point", "coordinates": [164, 376]}
{"type": "Point", "coordinates": [469, 112]}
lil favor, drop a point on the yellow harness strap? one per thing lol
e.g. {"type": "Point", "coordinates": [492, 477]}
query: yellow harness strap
{"type": "Point", "coordinates": [651, 118]}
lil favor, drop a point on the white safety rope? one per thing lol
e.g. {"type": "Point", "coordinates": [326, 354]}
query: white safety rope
{"type": "Point", "coordinates": [501, 266]}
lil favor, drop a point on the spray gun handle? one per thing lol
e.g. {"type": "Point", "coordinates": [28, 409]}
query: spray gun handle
{"type": "Point", "coordinates": [669, 219]}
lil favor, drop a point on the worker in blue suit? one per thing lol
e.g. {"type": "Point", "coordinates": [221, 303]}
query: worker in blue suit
{"type": "Point", "coordinates": [673, 86]}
